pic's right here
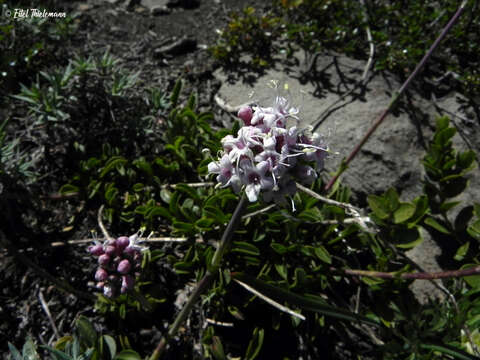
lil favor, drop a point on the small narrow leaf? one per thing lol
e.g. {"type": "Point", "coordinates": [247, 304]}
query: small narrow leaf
{"type": "Point", "coordinates": [462, 251]}
{"type": "Point", "coordinates": [323, 254]}
{"type": "Point", "coordinates": [436, 225]}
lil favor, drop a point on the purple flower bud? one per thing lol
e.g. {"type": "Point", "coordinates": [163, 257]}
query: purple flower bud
{"type": "Point", "coordinates": [100, 285]}
{"type": "Point", "coordinates": [96, 250]}
{"type": "Point", "coordinates": [101, 274]}
{"type": "Point", "coordinates": [124, 266]}
{"type": "Point", "coordinates": [110, 250]}
{"type": "Point", "coordinates": [246, 114]}
{"type": "Point", "coordinates": [129, 251]}
{"type": "Point", "coordinates": [122, 242]}
{"type": "Point", "coordinates": [127, 282]}
{"type": "Point", "coordinates": [103, 260]}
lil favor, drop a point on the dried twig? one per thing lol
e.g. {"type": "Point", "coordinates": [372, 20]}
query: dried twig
{"type": "Point", "coordinates": [219, 323]}
{"type": "Point", "coordinates": [261, 211]}
{"type": "Point", "coordinates": [361, 82]}
{"type": "Point", "coordinates": [90, 240]}
{"type": "Point", "coordinates": [49, 315]}
{"type": "Point", "coordinates": [270, 301]}
{"type": "Point", "coordinates": [397, 95]}
{"type": "Point", "coordinates": [100, 224]}
{"type": "Point", "coordinates": [192, 185]}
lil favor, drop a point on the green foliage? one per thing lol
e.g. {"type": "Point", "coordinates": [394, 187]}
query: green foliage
{"type": "Point", "coordinates": [27, 45]}
{"type": "Point", "coordinates": [249, 33]}
{"type": "Point", "coordinates": [29, 351]}
{"type": "Point", "coordinates": [135, 189]}
{"type": "Point", "coordinates": [84, 344]}
{"type": "Point", "coordinates": [402, 32]}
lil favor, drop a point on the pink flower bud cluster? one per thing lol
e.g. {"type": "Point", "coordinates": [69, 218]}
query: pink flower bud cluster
{"type": "Point", "coordinates": [267, 157]}
{"type": "Point", "coordinates": [119, 263]}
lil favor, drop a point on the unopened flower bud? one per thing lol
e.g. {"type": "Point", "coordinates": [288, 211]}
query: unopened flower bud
{"type": "Point", "coordinates": [103, 260]}
{"type": "Point", "coordinates": [124, 266]}
{"type": "Point", "coordinates": [129, 251]}
{"type": "Point", "coordinates": [246, 113]}
{"type": "Point", "coordinates": [127, 282]}
{"type": "Point", "coordinates": [101, 275]}
{"type": "Point", "coordinates": [100, 285]}
{"type": "Point", "coordinates": [96, 250]}
{"type": "Point", "coordinates": [122, 242]}
{"type": "Point", "coordinates": [110, 250]}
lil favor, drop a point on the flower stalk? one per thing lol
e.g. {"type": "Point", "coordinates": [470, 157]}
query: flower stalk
{"type": "Point", "coordinates": [204, 284]}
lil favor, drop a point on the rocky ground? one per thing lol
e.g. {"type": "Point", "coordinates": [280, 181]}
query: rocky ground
{"type": "Point", "coordinates": [168, 39]}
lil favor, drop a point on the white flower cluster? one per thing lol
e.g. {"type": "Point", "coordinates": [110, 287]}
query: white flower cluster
{"type": "Point", "coordinates": [267, 157]}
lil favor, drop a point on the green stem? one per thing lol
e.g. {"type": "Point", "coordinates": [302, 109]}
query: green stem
{"type": "Point", "coordinates": [205, 282]}
{"type": "Point", "coordinates": [397, 95]}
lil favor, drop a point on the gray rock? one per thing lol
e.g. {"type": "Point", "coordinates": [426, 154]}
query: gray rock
{"type": "Point", "coordinates": [393, 155]}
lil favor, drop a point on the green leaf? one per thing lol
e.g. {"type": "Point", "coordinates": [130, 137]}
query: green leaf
{"type": "Point", "coordinates": [391, 196]}
{"type": "Point", "coordinates": [114, 163]}
{"type": "Point", "coordinates": [378, 206]}
{"type": "Point", "coordinates": [69, 189]}
{"type": "Point", "coordinates": [62, 342]}
{"type": "Point", "coordinates": [217, 349]}
{"type": "Point", "coordinates": [29, 350]}
{"type": "Point", "coordinates": [14, 352]}
{"type": "Point", "coordinates": [138, 187]}
{"type": "Point", "coordinates": [404, 212]}
{"type": "Point", "coordinates": [156, 211]}
{"type": "Point", "coordinates": [465, 159]}
{"type": "Point", "coordinates": [165, 195]}
{"type": "Point", "coordinates": [255, 344]}
{"type": "Point", "coordinates": [308, 303]}
{"type": "Point", "coordinates": [282, 271]}
{"type": "Point", "coordinates": [175, 93]}
{"type": "Point", "coordinates": [442, 122]}
{"type": "Point", "coordinates": [111, 344]}
{"type": "Point", "coordinates": [58, 354]}
{"type": "Point", "coordinates": [474, 230]}
{"type": "Point", "coordinates": [437, 226]}
{"type": "Point", "coordinates": [449, 350]}
{"type": "Point", "coordinates": [472, 280]}
{"type": "Point", "coordinates": [312, 215]}
{"type": "Point", "coordinates": [245, 248]}
{"type": "Point", "coordinates": [446, 206]}
{"type": "Point", "coordinates": [86, 332]}
{"type": "Point", "coordinates": [462, 252]}
{"type": "Point", "coordinates": [323, 254]}
{"type": "Point", "coordinates": [127, 355]}
{"type": "Point", "coordinates": [279, 248]}
{"type": "Point", "coordinates": [204, 224]}
{"type": "Point", "coordinates": [122, 311]}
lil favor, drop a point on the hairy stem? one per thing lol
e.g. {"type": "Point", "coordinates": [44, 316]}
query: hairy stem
{"type": "Point", "coordinates": [398, 93]}
{"type": "Point", "coordinates": [205, 282]}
